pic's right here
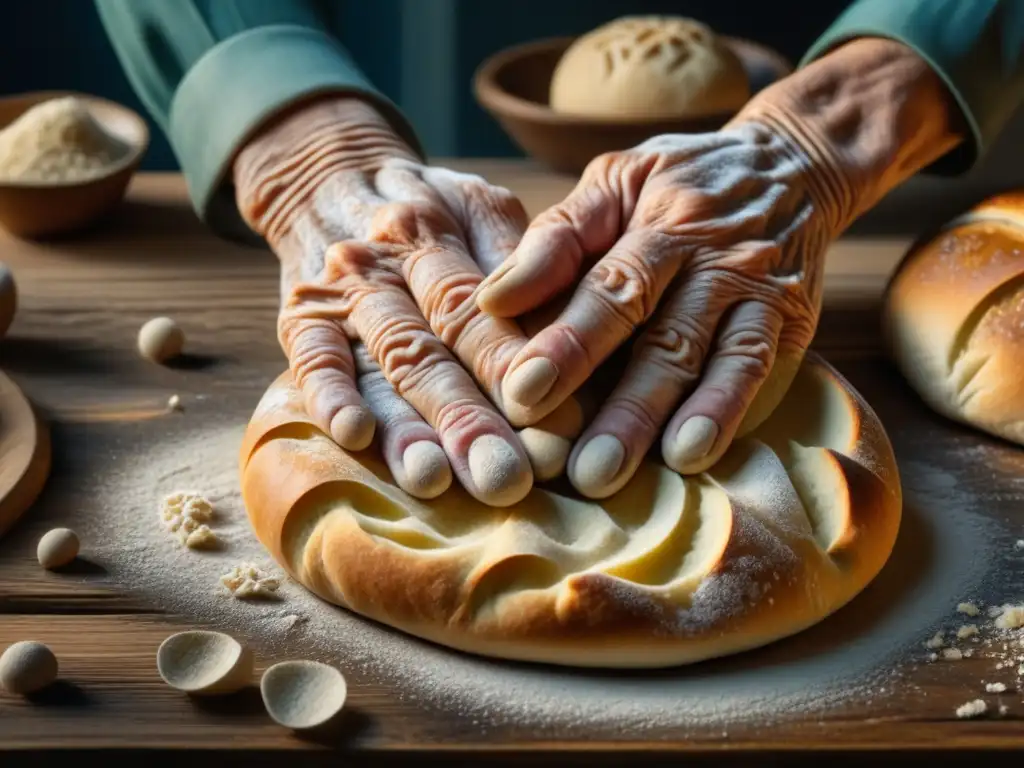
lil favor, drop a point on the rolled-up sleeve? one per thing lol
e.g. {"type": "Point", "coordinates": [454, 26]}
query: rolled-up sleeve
{"type": "Point", "coordinates": [975, 46]}
{"type": "Point", "coordinates": [210, 72]}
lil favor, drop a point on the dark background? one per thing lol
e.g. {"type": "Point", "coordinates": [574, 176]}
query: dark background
{"type": "Point", "coordinates": [422, 53]}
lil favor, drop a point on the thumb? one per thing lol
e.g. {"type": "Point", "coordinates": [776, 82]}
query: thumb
{"type": "Point", "coordinates": [555, 246]}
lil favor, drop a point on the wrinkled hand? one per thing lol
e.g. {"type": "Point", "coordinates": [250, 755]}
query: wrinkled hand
{"type": "Point", "coordinates": [714, 246]}
{"type": "Point", "coordinates": [716, 243]}
{"type": "Point", "coordinates": [385, 251]}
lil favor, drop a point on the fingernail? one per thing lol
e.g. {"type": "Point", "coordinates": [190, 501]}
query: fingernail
{"type": "Point", "coordinates": [692, 442]}
{"type": "Point", "coordinates": [500, 475]}
{"type": "Point", "coordinates": [352, 428]}
{"type": "Point", "coordinates": [597, 465]}
{"type": "Point", "coordinates": [427, 472]}
{"type": "Point", "coordinates": [547, 451]}
{"type": "Point", "coordinates": [528, 383]}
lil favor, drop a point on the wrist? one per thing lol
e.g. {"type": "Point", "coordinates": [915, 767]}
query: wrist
{"type": "Point", "coordinates": [862, 119]}
{"type": "Point", "coordinates": [281, 167]}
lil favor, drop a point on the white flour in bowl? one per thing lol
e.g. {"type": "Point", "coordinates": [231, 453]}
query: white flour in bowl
{"type": "Point", "coordinates": [853, 655]}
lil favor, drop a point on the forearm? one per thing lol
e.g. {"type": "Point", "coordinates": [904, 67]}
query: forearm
{"type": "Point", "coordinates": [212, 73]}
{"type": "Point", "coordinates": [865, 117]}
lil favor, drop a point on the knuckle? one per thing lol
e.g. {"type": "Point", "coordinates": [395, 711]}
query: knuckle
{"type": "Point", "coordinates": [678, 345]}
{"type": "Point", "coordinates": [315, 350]}
{"type": "Point", "coordinates": [461, 415]}
{"type": "Point", "coordinates": [407, 224]}
{"type": "Point", "coordinates": [627, 285]}
{"type": "Point", "coordinates": [639, 411]}
{"type": "Point", "coordinates": [447, 304]}
{"type": "Point", "coordinates": [404, 350]}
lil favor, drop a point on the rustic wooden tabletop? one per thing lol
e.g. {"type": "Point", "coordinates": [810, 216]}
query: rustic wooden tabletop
{"type": "Point", "coordinates": [72, 350]}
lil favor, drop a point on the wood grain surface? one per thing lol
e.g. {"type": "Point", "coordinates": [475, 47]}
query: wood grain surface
{"type": "Point", "coordinates": [72, 350]}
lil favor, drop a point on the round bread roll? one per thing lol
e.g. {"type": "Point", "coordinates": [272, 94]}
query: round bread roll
{"type": "Point", "coordinates": [792, 523]}
{"type": "Point", "coordinates": [953, 318]}
{"type": "Point", "coordinates": [649, 68]}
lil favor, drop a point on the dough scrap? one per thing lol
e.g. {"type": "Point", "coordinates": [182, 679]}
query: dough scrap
{"type": "Point", "coordinates": [789, 526]}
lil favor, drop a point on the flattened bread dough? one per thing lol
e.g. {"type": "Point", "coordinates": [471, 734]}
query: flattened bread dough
{"type": "Point", "coordinates": [794, 521]}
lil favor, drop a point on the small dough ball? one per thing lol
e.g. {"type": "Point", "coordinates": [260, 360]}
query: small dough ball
{"type": "Point", "coordinates": [160, 339]}
{"type": "Point", "coordinates": [57, 547]}
{"type": "Point", "coordinates": [8, 298]}
{"type": "Point", "coordinates": [649, 68]}
{"type": "Point", "coordinates": [27, 666]}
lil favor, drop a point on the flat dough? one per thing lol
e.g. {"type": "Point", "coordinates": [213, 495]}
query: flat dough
{"type": "Point", "coordinates": [793, 522]}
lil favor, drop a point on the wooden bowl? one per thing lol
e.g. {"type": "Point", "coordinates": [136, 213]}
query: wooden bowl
{"type": "Point", "coordinates": [513, 87]}
{"type": "Point", "coordinates": [36, 209]}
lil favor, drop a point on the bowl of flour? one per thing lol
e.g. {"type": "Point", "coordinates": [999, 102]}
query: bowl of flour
{"type": "Point", "coordinates": [65, 160]}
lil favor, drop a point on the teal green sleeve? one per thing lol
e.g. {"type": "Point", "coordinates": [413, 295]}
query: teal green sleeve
{"type": "Point", "coordinates": [211, 71]}
{"type": "Point", "coordinates": [975, 46]}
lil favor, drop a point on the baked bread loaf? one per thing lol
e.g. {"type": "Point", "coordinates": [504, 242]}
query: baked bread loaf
{"type": "Point", "coordinates": [953, 318]}
{"type": "Point", "coordinates": [793, 522]}
{"type": "Point", "coordinates": [649, 68]}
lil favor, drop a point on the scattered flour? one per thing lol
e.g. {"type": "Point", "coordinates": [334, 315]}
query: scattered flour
{"type": "Point", "coordinates": [850, 657]}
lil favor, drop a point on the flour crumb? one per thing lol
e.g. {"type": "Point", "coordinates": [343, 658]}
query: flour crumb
{"type": "Point", "coordinates": [1019, 544]}
{"type": "Point", "coordinates": [1010, 617]}
{"type": "Point", "coordinates": [937, 640]}
{"type": "Point", "coordinates": [247, 582]}
{"type": "Point", "coordinates": [187, 513]}
{"type": "Point", "coordinates": [292, 620]}
{"type": "Point", "coordinates": [995, 687]}
{"type": "Point", "coordinates": [968, 609]}
{"type": "Point", "coordinates": [952, 654]}
{"type": "Point", "coordinates": [174, 403]}
{"type": "Point", "coordinates": [972, 709]}
{"type": "Point", "coordinates": [966, 631]}
{"type": "Point", "coordinates": [994, 610]}
{"type": "Point", "coordinates": [933, 657]}
{"type": "Point", "coordinates": [1003, 709]}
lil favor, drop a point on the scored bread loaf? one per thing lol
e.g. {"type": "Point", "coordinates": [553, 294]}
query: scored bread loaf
{"type": "Point", "coordinates": [953, 318]}
{"type": "Point", "coordinates": [793, 522]}
{"type": "Point", "coordinates": [649, 68]}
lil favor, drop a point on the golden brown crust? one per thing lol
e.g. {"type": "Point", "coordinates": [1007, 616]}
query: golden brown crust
{"type": "Point", "coordinates": [954, 318]}
{"type": "Point", "coordinates": [787, 528]}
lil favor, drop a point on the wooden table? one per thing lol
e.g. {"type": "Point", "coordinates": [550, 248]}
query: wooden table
{"type": "Point", "coordinates": [72, 350]}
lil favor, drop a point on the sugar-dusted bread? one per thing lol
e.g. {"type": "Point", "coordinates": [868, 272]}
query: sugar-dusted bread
{"type": "Point", "coordinates": [794, 521]}
{"type": "Point", "coordinates": [649, 68]}
{"type": "Point", "coordinates": [954, 318]}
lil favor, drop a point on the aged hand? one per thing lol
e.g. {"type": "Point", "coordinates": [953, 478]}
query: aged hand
{"type": "Point", "coordinates": [713, 245]}
{"type": "Point", "coordinates": [385, 251]}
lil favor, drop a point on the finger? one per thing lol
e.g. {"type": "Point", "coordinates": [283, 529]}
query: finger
{"type": "Point", "coordinates": [321, 364]}
{"type": "Point", "coordinates": [555, 247]}
{"type": "Point", "coordinates": [666, 364]}
{"type": "Point", "coordinates": [493, 218]}
{"type": "Point", "coordinates": [483, 450]}
{"type": "Point", "coordinates": [615, 297]}
{"type": "Point", "coordinates": [704, 426]}
{"type": "Point", "coordinates": [442, 277]}
{"type": "Point", "coordinates": [410, 447]}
